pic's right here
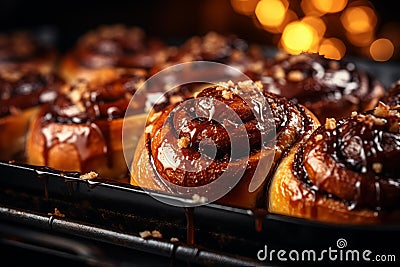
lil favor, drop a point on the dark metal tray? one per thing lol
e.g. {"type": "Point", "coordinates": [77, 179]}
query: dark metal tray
{"type": "Point", "coordinates": [114, 214]}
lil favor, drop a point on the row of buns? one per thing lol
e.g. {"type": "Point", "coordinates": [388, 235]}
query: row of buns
{"type": "Point", "coordinates": [336, 127]}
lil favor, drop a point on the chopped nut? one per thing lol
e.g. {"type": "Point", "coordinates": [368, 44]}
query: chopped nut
{"type": "Point", "coordinates": [183, 142]}
{"type": "Point", "coordinates": [56, 213]}
{"type": "Point", "coordinates": [381, 110]}
{"type": "Point", "coordinates": [89, 176]}
{"type": "Point", "coordinates": [281, 55]}
{"type": "Point", "coordinates": [174, 240]}
{"type": "Point", "coordinates": [230, 84]}
{"type": "Point", "coordinates": [145, 234]}
{"type": "Point", "coordinates": [156, 234]}
{"type": "Point", "coordinates": [334, 64]}
{"type": "Point", "coordinates": [279, 72]}
{"type": "Point", "coordinates": [295, 76]}
{"type": "Point", "coordinates": [354, 113]}
{"type": "Point", "coordinates": [259, 85]}
{"type": "Point", "coordinates": [246, 86]}
{"type": "Point", "coordinates": [377, 167]}
{"type": "Point", "coordinates": [318, 137]}
{"type": "Point", "coordinates": [330, 124]}
{"type": "Point", "coordinates": [75, 96]}
{"type": "Point", "coordinates": [256, 67]}
{"type": "Point", "coordinates": [149, 128]}
{"type": "Point", "coordinates": [227, 94]}
{"type": "Point", "coordinates": [378, 121]}
{"type": "Point", "coordinates": [236, 55]}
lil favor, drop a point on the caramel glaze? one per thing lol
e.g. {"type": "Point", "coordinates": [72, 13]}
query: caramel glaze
{"type": "Point", "coordinates": [326, 87]}
{"type": "Point", "coordinates": [90, 107]}
{"type": "Point", "coordinates": [227, 49]}
{"type": "Point", "coordinates": [87, 108]}
{"type": "Point", "coordinates": [119, 46]}
{"type": "Point", "coordinates": [194, 125]}
{"type": "Point", "coordinates": [392, 96]}
{"type": "Point", "coordinates": [354, 162]}
{"type": "Point", "coordinates": [212, 47]}
{"type": "Point", "coordinates": [22, 88]}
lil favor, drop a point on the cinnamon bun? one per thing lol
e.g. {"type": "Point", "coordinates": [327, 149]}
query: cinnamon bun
{"type": "Point", "coordinates": [329, 88]}
{"type": "Point", "coordinates": [22, 92]}
{"type": "Point", "coordinates": [392, 95]}
{"type": "Point", "coordinates": [347, 172]}
{"type": "Point", "coordinates": [176, 140]}
{"type": "Point", "coordinates": [81, 130]}
{"type": "Point", "coordinates": [112, 46]}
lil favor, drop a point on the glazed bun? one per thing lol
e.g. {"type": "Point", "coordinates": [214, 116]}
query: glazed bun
{"type": "Point", "coordinates": [81, 130]}
{"type": "Point", "coordinates": [23, 90]}
{"type": "Point", "coordinates": [181, 134]}
{"type": "Point", "coordinates": [346, 173]}
{"type": "Point", "coordinates": [112, 46]}
{"type": "Point", "coordinates": [329, 88]}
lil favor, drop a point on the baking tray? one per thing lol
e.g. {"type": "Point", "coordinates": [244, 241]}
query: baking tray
{"type": "Point", "coordinates": [115, 214]}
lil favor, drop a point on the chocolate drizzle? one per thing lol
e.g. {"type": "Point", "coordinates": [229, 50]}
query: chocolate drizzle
{"type": "Point", "coordinates": [24, 88]}
{"type": "Point", "coordinates": [324, 86]}
{"type": "Point", "coordinates": [81, 113]}
{"type": "Point", "coordinates": [182, 133]}
{"type": "Point", "coordinates": [119, 46]}
{"type": "Point", "coordinates": [392, 96]}
{"type": "Point", "coordinates": [355, 161]}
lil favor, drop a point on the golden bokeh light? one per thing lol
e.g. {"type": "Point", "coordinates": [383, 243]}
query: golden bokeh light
{"type": "Point", "coordinates": [323, 26]}
{"type": "Point", "coordinates": [290, 16]}
{"type": "Point", "coordinates": [332, 48]}
{"type": "Point", "coordinates": [245, 7]}
{"type": "Point", "coordinates": [361, 39]}
{"type": "Point", "coordinates": [309, 9]}
{"type": "Point", "coordinates": [381, 49]}
{"type": "Point", "coordinates": [317, 23]}
{"type": "Point", "coordinates": [329, 6]}
{"type": "Point", "coordinates": [271, 13]}
{"type": "Point", "coordinates": [298, 37]}
{"type": "Point", "coordinates": [359, 19]}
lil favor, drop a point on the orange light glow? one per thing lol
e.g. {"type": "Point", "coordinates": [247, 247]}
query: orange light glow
{"type": "Point", "coordinates": [332, 48]}
{"type": "Point", "coordinates": [298, 37]}
{"type": "Point", "coordinates": [329, 6]}
{"type": "Point", "coordinates": [381, 49]}
{"type": "Point", "coordinates": [317, 23]}
{"type": "Point", "coordinates": [358, 19]}
{"type": "Point", "coordinates": [271, 13]}
{"type": "Point", "coordinates": [309, 9]}
{"type": "Point", "coordinates": [245, 7]}
{"type": "Point", "coordinates": [290, 16]}
{"type": "Point", "coordinates": [361, 39]}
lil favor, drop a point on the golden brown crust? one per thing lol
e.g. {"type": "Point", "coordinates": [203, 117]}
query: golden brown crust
{"type": "Point", "coordinates": [288, 196]}
{"type": "Point", "coordinates": [346, 172]}
{"type": "Point", "coordinates": [293, 122]}
{"type": "Point", "coordinates": [82, 128]}
{"type": "Point", "coordinates": [83, 158]}
{"type": "Point", "coordinates": [71, 70]}
{"type": "Point", "coordinates": [13, 129]}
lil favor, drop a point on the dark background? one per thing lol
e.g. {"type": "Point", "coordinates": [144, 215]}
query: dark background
{"type": "Point", "coordinates": [169, 19]}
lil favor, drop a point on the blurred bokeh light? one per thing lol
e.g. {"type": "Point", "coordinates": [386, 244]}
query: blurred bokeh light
{"type": "Point", "coordinates": [330, 27]}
